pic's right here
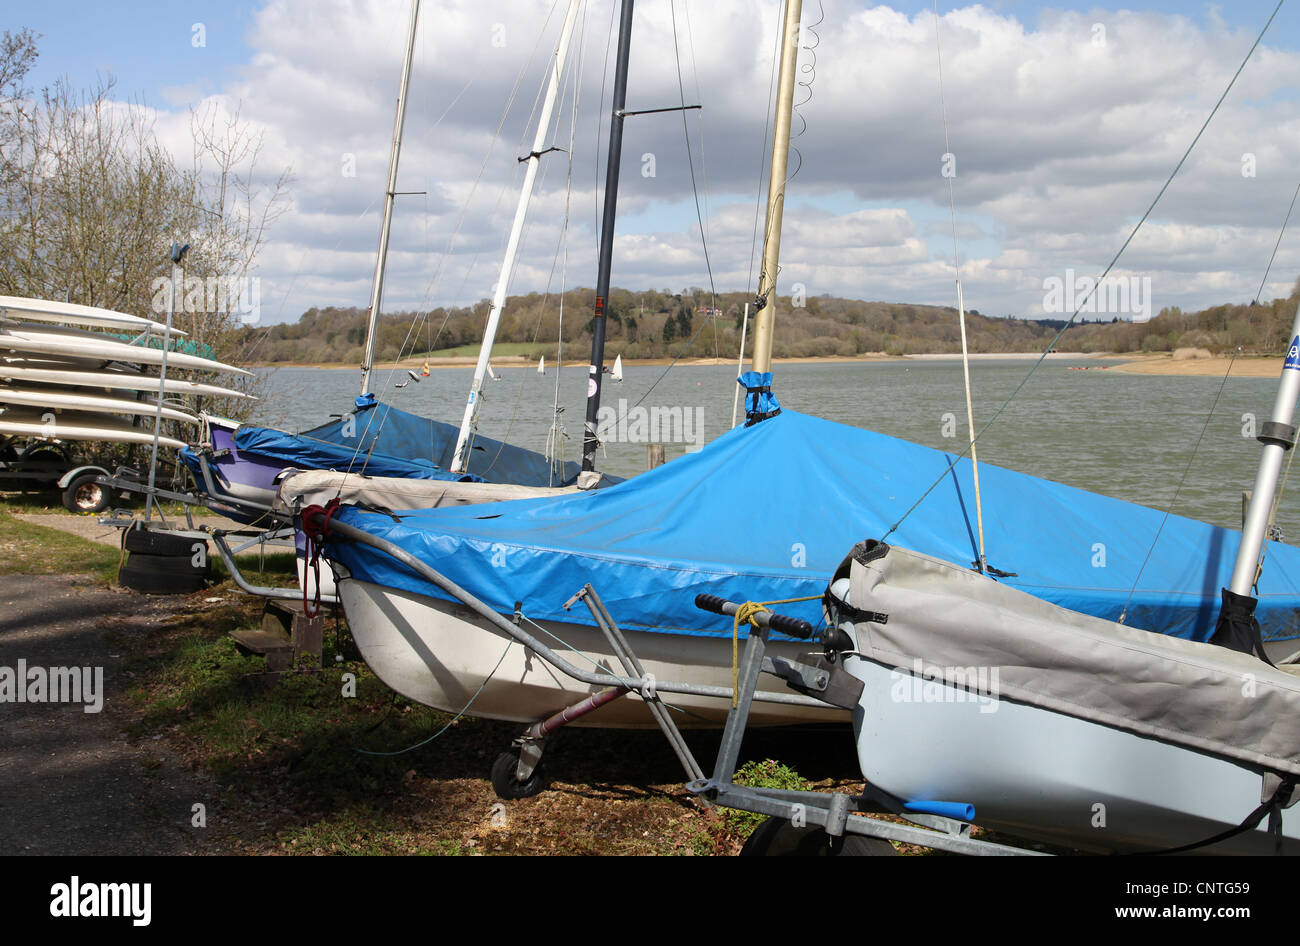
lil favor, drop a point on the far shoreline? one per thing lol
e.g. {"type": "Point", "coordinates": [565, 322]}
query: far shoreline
{"type": "Point", "coordinates": [1168, 364]}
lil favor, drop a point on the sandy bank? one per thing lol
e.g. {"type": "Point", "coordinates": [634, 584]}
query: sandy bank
{"type": "Point", "coordinates": [1244, 366]}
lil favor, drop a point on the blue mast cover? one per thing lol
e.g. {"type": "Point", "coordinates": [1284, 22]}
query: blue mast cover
{"type": "Point", "coordinates": [385, 441]}
{"type": "Point", "coordinates": [767, 512]}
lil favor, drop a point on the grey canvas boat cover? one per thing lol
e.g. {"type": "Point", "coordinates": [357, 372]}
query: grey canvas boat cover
{"type": "Point", "coordinates": [1196, 695]}
{"type": "Point", "coordinates": [317, 487]}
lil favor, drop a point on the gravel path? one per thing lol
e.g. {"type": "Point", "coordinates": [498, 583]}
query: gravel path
{"type": "Point", "coordinates": [71, 783]}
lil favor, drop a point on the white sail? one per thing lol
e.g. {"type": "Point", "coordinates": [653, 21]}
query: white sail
{"type": "Point", "coordinates": [541, 365]}
{"type": "Point", "coordinates": [617, 372]}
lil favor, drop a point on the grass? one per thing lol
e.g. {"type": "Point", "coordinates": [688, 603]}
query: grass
{"type": "Point", "coordinates": [273, 569]}
{"type": "Point", "coordinates": [27, 549]}
{"type": "Point", "coordinates": [30, 549]}
{"type": "Point", "coordinates": [765, 774]}
{"type": "Point", "coordinates": [47, 502]}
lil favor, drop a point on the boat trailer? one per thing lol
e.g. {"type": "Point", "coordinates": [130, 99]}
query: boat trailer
{"type": "Point", "coordinates": [828, 819]}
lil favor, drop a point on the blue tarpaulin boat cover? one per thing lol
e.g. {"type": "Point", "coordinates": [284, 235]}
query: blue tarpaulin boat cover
{"type": "Point", "coordinates": [768, 512]}
{"type": "Point", "coordinates": [384, 441]}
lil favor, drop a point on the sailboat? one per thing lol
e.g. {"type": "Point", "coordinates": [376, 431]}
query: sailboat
{"type": "Point", "coordinates": [616, 373]}
{"type": "Point", "coordinates": [706, 523]}
{"type": "Point", "coordinates": [434, 651]}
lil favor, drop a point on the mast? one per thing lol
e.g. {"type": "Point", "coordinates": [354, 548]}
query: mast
{"type": "Point", "coordinates": [1278, 436]}
{"type": "Point", "coordinates": [589, 441]}
{"type": "Point", "coordinates": [390, 194]}
{"type": "Point", "coordinates": [764, 320]}
{"type": "Point", "coordinates": [461, 456]}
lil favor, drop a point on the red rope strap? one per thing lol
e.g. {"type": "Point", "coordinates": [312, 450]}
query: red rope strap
{"type": "Point", "coordinates": [315, 528]}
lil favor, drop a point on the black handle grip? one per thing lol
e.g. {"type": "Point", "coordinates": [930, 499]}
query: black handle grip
{"type": "Point", "coordinates": [794, 627]}
{"type": "Point", "coordinates": [712, 603]}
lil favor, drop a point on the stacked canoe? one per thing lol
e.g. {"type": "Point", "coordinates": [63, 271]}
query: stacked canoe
{"type": "Point", "coordinates": [79, 373]}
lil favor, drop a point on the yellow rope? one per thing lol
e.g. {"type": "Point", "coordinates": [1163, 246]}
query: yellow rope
{"type": "Point", "coordinates": [748, 613]}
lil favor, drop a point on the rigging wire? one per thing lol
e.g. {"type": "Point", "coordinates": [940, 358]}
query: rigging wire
{"type": "Point", "coordinates": [561, 245]}
{"type": "Point", "coordinates": [451, 722]}
{"type": "Point", "coordinates": [700, 218]}
{"type": "Point", "coordinates": [1097, 283]}
{"type": "Point", "coordinates": [704, 174]}
{"type": "Point", "coordinates": [556, 434]}
{"type": "Point", "coordinates": [1177, 490]}
{"type": "Point", "coordinates": [414, 328]}
{"type": "Point", "coordinates": [464, 209]}
{"type": "Point", "coordinates": [690, 158]}
{"type": "Point", "coordinates": [763, 149]}
{"type": "Point", "coordinates": [1278, 243]}
{"type": "Point", "coordinates": [981, 562]}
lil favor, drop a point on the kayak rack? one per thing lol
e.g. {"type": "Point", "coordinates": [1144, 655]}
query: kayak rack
{"type": "Point", "coordinates": [816, 678]}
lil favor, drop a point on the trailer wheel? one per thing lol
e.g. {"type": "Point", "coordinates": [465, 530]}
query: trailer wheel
{"type": "Point", "coordinates": [505, 781]}
{"type": "Point", "coordinates": [777, 837]}
{"type": "Point", "coordinates": [85, 495]}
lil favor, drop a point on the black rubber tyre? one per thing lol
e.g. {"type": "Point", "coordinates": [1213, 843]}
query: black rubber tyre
{"type": "Point", "coordinates": [162, 574]}
{"type": "Point", "coordinates": [505, 783]}
{"type": "Point", "coordinates": [83, 494]}
{"type": "Point", "coordinates": [777, 837]}
{"type": "Point", "coordinates": [178, 566]}
{"type": "Point", "coordinates": [158, 542]}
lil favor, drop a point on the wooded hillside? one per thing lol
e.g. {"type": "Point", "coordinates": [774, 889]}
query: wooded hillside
{"type": "Point", "coordinates": [655, 324]}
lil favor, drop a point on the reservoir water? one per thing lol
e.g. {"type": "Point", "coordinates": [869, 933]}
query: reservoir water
{"type": "Point", "coordinates": [1131, 436]}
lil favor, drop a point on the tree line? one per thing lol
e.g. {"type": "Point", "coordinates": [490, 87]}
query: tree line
{"type": "Point", "coordinates": [693, 323]}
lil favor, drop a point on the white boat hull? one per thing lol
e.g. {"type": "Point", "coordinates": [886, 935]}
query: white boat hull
{"type": "Point", "coordinates": [47, 310]}
{"type": "Point", "coordinates": [75, 425]}
{"type": "Point", "coordinates": [52, 342]}
{"type": "Point", "coordinates": [1051, 777]}
{"type": "Point", "coordinates": [80, 401]}
{"type": "Point", "coordinates": [439, 654]}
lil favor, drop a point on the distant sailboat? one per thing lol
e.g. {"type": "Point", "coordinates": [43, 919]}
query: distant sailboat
{"type": "Point", "coordinates": [617, 372]}
{"type": "Point", "coordinates": [541, 365]}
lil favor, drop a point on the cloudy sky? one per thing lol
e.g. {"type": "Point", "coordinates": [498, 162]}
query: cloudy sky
{"type": "Point", "coordinates": [1064, 121]}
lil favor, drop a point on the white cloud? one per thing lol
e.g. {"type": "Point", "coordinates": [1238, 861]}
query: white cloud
{"type": "Point", "coordinates": [1061, 143]}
